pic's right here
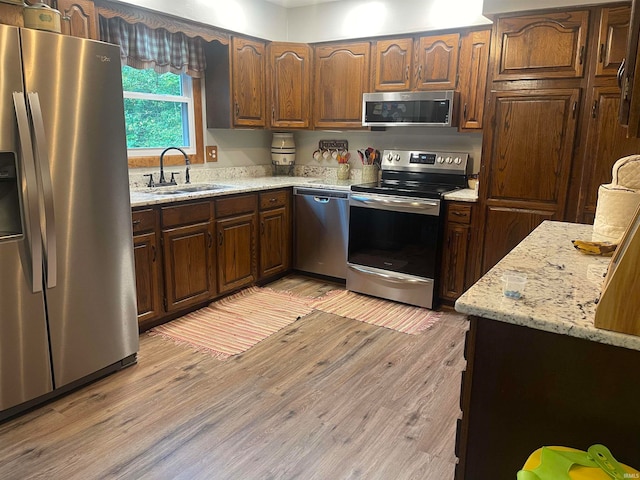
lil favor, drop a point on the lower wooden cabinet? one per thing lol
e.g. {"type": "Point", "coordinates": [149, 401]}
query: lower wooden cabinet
{"type": "Point", "coordinates": [147, 259]}
{"type": "Point", "coordinates": [458, 254]}
{"type": "Point", "coordinates": [188, 251]}
{"type": "Point", "coordinates": [236, 236]}
{"type": "Point", "coordinates": [275, 233]}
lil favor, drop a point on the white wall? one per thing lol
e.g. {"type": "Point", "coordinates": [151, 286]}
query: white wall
{"type": "Point", "coordinates": [251, 17]}
{"type": "Point", "coordinates": [405, 138]}
{"type": "Point", "coordinates": [504, 6]}
{"type": "Point", "coordinates": [366, 18]}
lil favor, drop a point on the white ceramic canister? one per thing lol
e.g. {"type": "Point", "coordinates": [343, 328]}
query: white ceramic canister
{"type": "Point", "coordinates": [283, 149]}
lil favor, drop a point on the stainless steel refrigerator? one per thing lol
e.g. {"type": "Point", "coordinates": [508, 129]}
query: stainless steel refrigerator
{"type": "Point", "coordinates": [67, 287]}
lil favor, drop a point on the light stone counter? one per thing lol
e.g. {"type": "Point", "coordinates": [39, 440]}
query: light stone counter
{"type": "Point", "coordinates": [145, 196]}
{"type": "Point", "coordinates": [464, 195]}
{"type": "Point", "coordinates": [562, 289]}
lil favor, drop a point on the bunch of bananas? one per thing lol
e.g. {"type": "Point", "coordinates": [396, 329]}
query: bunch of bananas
{"type": "Point", "coordinates": [594, 248]}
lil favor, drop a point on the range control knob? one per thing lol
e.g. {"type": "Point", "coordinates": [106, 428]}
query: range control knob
{"type": "Point", "coordinates": [449, 160]}
{"type": "Point", "coordinates": [440, 159]}
{"type": "Point", "coordinates": [457, 160]}
{"type": "Point", "coordinates": [396, 157]}
{"type": "Point", "coordinates": [389, 157]}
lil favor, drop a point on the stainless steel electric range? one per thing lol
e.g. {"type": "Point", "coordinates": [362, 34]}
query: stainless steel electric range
{"type": "Point", "coordinates": [396, 225]}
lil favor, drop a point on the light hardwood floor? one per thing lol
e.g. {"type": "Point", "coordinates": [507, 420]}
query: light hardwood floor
{"type": "Point", "coordinates": [325, 398]}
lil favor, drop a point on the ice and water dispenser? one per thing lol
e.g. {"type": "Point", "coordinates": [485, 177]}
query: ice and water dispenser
{"type": "Point", "coordinates": [10, 221]}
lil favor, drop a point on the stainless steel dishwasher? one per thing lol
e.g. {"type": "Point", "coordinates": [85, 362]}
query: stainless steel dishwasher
{"type": "Point", "coordinates": [321, 231]}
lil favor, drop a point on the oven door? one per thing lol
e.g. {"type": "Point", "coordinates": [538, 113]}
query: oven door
{"type": "Point", "coordinates": [394, 247]}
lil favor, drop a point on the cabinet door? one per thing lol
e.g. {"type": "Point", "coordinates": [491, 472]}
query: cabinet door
{"type": "Point", "coordinates": [530, 146]}
{"type": "Point", "coordinates": [148, 281]}
{"type": "Point", "coordinates": [12, 14]}
{"type": "Point", "coordinates": [612, 39]}
{"type": "Point", "coordinates": [237, 265]}
{"type": "Point", "coordinates": [188, 265]}
{"type": "Point", "coordinates": [606, 142]}
{"type": "Point", "coordinates": [454, 260]}
{"type": "Point", "coordinates": [275, 244]}
{"type": "Point", "coordinates": [527, 157]}
{"type": "Point", "coordinates": [504, 228]}
{"type": "Point", "coordinates": [289, 84]}
{"type": "Point", "coordinates": [437, 64]}
{"type": "Point", "coordinates": [248, 80]}
{"type": "Point", "coordinates": [549, 45]}
{"type": "Point", "coordinates": [474, 63]}
{"type": "Point", "coordinates": [392, 61]}
{"type": "Point", "coordinates": [79, 18]}
{"type": "Point", "coordinates": [341, 77]}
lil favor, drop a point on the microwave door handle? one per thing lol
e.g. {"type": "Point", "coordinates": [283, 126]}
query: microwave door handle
{"type": "Point", "coordinates": [29, 188]}
{"type": "Point", "coordinates": [43, 174]}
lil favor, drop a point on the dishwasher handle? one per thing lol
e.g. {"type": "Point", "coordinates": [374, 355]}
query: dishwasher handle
{"type": "Point", "coordinates": [321, 199]}
{"type": "Point", "coordinates": [321, 193]}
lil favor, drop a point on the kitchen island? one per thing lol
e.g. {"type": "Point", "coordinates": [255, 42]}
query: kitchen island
{"type": "Point", "coordinates": [538, 371]}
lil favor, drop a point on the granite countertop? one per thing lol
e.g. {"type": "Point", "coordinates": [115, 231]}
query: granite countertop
{"type": "Point", "coordinates": [464, 195]}
{"type": "Point", "coordinates": [562, 288]}
{"type": "Point", "coordinates": [146, 196]}
{"type": "Point", "coordinates": [153, 196]}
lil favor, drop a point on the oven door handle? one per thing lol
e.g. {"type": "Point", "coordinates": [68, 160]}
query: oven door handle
{"type": "Point", "coordinates": [417, 205]}
{"type": "Point", "coordinates": [386, 276]}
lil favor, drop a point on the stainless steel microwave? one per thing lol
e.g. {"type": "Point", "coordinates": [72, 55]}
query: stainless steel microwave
{"type": "Point", "coordinates": [393, 109]}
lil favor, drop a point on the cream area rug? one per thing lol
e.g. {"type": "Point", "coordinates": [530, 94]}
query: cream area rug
{"type": "Point", "coordinates": [376, 311]}
{"type": "Point", "coordinates": [234, 324]}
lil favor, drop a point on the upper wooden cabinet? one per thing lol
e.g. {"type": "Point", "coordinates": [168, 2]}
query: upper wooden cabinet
{"type": "Point", "coordinates": [341, 77]}
{"type": "Point", "coordinates": [437, 62]}
{"type": "Point", "coordinates": [423, 63]}
{"type": "Point", "coordinates": [541, 46]}
{"type": "Point", "coordinates": [79, 18]}
{"type": "Point", "coordinates": [392, 65]}
{"type": "Point", "coordinates": [474, 62]}
{"type": "Point", "coordinates": [289, 85]}
{"type": "Point", "coordinates": [606, 142]}
{"type": "Point", "coordinates": [234, 84]}
{"type": "Point", "coordinates": [248, 64]}
{"type": "Point", "coordinates": [612, 39]}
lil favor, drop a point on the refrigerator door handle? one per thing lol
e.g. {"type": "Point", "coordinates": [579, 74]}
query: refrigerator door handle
{"type": "Point", "coordinates": [29, 191]}
{"type": "Point", "coordinates": [43, 174]}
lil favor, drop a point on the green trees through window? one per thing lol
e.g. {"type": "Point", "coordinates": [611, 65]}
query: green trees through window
{"type": "Point", "coordinates": [158, 109]}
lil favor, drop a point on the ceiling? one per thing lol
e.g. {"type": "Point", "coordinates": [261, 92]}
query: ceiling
{"type": "Point", "coordinates": [298, 3]}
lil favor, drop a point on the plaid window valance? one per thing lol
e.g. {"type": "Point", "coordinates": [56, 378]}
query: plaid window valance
{"type": "Point", "coordinates": [143, 47]}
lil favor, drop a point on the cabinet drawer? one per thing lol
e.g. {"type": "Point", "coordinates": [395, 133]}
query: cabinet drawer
{"type": "Point", "coordinates": [144, 220]}
{"type": "Point", "coordinates": [459, 213]}
{"type": "Point", "coordinates": [186, 214]}
{"type": "Point", "coordinates": [275, 198]}
{"type": "Point", "coordinates": [236, 205]}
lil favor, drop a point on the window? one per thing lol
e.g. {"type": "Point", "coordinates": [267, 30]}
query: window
{"type": "Point", "coordinates": [158, 111]}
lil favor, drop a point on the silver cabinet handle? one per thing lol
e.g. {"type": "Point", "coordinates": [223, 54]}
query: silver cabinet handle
{"type": "Point", "coordinates": [29, 192]}
{"type": "Point", "coordinates": [43, 173]}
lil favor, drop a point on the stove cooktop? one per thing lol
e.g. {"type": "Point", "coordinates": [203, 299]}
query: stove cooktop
{"type": "Point", "coordinates": [419, 174]}
{"type": "Point", "coordinates": [419, 191]}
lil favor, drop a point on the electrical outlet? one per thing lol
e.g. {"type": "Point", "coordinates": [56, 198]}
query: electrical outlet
{"type": "Point", "coordinates": [212, 153]}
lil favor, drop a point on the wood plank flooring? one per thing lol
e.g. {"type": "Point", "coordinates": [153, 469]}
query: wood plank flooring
{"type": "Point", "coordinates": [325, 398]}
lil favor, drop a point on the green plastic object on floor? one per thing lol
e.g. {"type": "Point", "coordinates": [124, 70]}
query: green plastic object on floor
{"type": "Point", "coordinates": [560, 463]}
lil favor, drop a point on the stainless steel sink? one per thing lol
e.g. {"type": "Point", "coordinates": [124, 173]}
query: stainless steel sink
{"type": "Point", "coordinates": [191, 189]}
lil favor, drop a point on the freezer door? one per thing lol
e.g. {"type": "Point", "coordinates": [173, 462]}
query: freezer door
{"type": "Point", "coordinates": [74, 87]}
{"type": "Point", "coordinates": [25, 369]}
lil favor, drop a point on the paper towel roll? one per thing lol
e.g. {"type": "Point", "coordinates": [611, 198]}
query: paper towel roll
{"type": "Point", "coordinates": [614, 211]}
